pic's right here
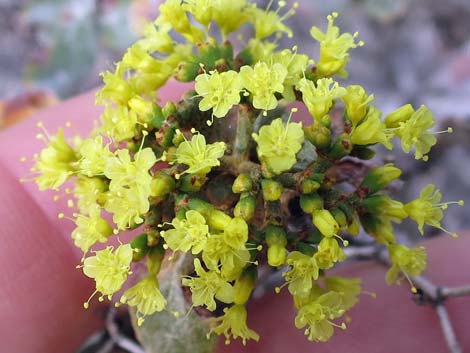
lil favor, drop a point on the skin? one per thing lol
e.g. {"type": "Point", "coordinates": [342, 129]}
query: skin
{"type": "Point", "coordinates": [42, 293]}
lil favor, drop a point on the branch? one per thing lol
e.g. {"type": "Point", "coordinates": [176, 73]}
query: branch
{"type": "Point", "coordinates": [448, 330]}
{"type": "Point", "coordinates": [119, 339]}
{"type": "Point", "coordinates": [455, 291]}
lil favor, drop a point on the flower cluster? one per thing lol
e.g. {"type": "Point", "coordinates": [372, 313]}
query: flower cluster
{"type": "Point", "coordinates": [223, 196]}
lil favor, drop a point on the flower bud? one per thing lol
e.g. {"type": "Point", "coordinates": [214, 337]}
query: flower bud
{"type": "Point", "coordinates": [340, 217]}
{"type": "Point", "coordinates": [169, 109]}
{"type": "Point", "coordinates": [155, 258]}
{"type": "Point", "coordinates": [218, 219]}
{"type": "Point", "coordinates": [342, 147]}
{"type": "Point", "coordinates": [325, 222]}
{"type": "Point", "coordinates": [242, 183]}
{"type": "Point", "coordinates": [191, 182]}
{"type": "Point", "coordinates": [378, 178]}
{"type": "Point", "coordinates": [309, 185]}
{"type": "Point", "coordinates": [161, 184]}
{"type": "Point", "coordinates": [140, 246]}
{"type": "Point", "coordinates": [311, 202]}
{"type": "Point", "coordinates": [272, 190]}
{"type": "Point", "coordinates": [244, 285]}
{"type": "Point", "coordinates": [318, 135]}
{"type": "Point", "coordinates": [276, 240]}
{"type": "Point", "coordinates": [356, 101]}
{"type": "Point", "coordinates": [398, 116]}
{"type": "Point", "coordinates": [245, 207]}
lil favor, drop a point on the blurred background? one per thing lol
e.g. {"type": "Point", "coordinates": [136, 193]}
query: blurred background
{"type": "Point", "coordinates": [416, 51]}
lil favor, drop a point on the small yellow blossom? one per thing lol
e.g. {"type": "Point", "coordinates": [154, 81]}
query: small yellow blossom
{"type": "Point", "coordinates": [119, 123]}
{"type": "Point", "coordinates": [115, 88]}
{"type": "Point", "coordinates": [229, 15]}
{"type": "Point", "coordinates": [319, 96]}
{"type": "Point", "coordinates": [318, 314]}
{"type": "Point", "coordinates": [329, 252]}
{"type": "Point", "coordinates": [199, 156]}
{"type": "Point", "coordinates": [207, 286]}
{"type": "Point", "coordinates": [219, 91]}
{"type": "Point", "coordinates": [156, 39]}
{"type": "Point", "coordinates": [109, 269]}
{"type": "Point", "coordinates": [127, 206]}
{"type": "Point", "coordinates": [93, 156]}
{"type": "Point", "coordinates": [233, 324]}
{"type": "Point", "coordinates": [263, 82]}
{"type": "Point", "coordinates": [236, 233]}
{"type": "Point", "coordinates": [88, 192]}
{"type": "Point", "coordinates": [190, 233]}
{"type": "Point", "coordinates": [427, 209]}
{"type": "Point", "coordinates": [268, 22]}
{"type": "Point", "coordinates": [90, 229]}
{"type": "Point", "coordinates": [173, 13]}
{"type": "Point", "coordinates": [410, 261]}
{"type": "Point", "coordinates": [357, 102]}
{"type": "Point", "coordinates": [334, 48]}
{"type": "Point", "coordinates": [372, 130]}
{"type": "Point", "coordinates": [56, 163]}
{"type": "Point", "coordinates": [348, 288]}
{"type": "Point", "coordinates": [278, 144]}
{"type": "Point", "coordinates": [304, 270]}
{"type": "Point", "coordinates": [146, 297]}
{"type": "Point", "coordinates": [413, 133]}
{"type": "Point", "coordinates": [296, 64]}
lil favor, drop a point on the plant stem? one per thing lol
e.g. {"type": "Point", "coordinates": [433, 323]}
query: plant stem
{"type": "Point", "coordinates": [242, 143]}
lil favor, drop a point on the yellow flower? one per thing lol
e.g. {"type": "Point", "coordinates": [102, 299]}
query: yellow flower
{"type": "Point", "coordinates": [218, 255]}
{"type": "Point", "coordinates": [263, 82]}
{"type": "Point", "coordinates": [319, 96]}
{"type": "Point", "coordinates": [268, 22]}
{"type": "Point", "coordinates": [348, 288]}
{"type": "Point", "coordinates": [427, 209]}
{"type": "Point", "coordinates": [304, 270]}
{"type": "Point", "coordinates": [278, 144]}
{"type": "Point", "coordinates": [413, 133]}
{"type": "Point", "coordinates": [156, 38]}
{"type": "Point", "coordinates": [201, 10]}
{"type": "Point", "coordinates": [146, 297]}
{"type": "Point", "coordinates": [410, 261]}
{"type": "Point", "coordinates": [173, 13]}
{"type": "Point", "coordinates": [399, 115]}
{"type": "Point", "coordinates": [190, 233]}
{"type": "Point", "coordinates": [233, 324]}
{"type": "Point", "coordinates": [126, 173]}
{"type": "Point", "coordinates": [207, 286]}
{"type": "Point", "coordinates": [90, 229]}
{"type": "Point", "coordinates": [372, 130]}
{"type": "Point", "coordinates": [236, 233]}
{"type": "Point", "coordinates": [334, 48]}
{"type": "Point", "coordinates": [88, 192]}
{"type": "Point", "coordinates": [115, 88]}
{"type": "Point", "coordinates": [357, 102]}
{"type": "Point", "coordinates": [328, 253]}
{"type": "Point", "coordinates": [109, 269]}
{"type": "Point", "coordinates": [220, 91]}
{"type": "Point", "coordinates": [118, 123]}
{"type": "Point", "coordinates": [317, 315]}
{"type": "Point", "coordinates": [55, 164]}
{"type": "Point", "coordinates": [93, 156]}
{"type": "Point", "coordinates": [199, 156]}
{"type": "Point", "coordinates": [296, 64]}
{"type": "Point", "coordinates": [229, 15]}
{"type": "Point", "coordinates": [127, 206]}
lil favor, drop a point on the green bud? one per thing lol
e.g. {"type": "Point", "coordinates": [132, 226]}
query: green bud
{"type": "Point", "coordinates": [354, 226]}
{"type": "Point", "coordinates": [140, 246]}
{"type": "Point", "coordinates": [245, 207]}
{"type": "Point", "coordinates": [342, 147]}
{"type": "Point", "coordinates": [161, 184]}
{"type": "Point", "coordinates": [272, 190]}
{"type": "Point", "coordinates": [169, 109]}
{"type": "Point", "coordinates": [157, 119]}
{"type": "Point", "coordinates": [318, 135]}
{"type": "Point", "coordinates": [201, 206]}
{"type": "Point", "coordinates": [399, 115]}
{"type": "Point", "coordinates": [325, 222]}
{"type": "Point", "coordinates": [164, 135]}
{"type": "Point", "coordinates": [378, 178]}
{"type": "Point", "coordinates": [191, 182]}
{"type": "Point", "coordinates": [276, 239]}
{"type": "Point", "coordinates": [155, 258]}
{"type": "Point", "coordinates": [340, 217]}
{"type": "Point", "coordinates": [310, 202]}
{"type": "Point", "coordinates": [309, 185]}
{"type": "Point", "coordinates": [244, 285]}
{"type": "Point", "coordinates": [218, 219]}
{"type": "Point", "coordinates": [362, 152]}
{"type": "Point", "coordinates": [242, 183]}
{"type": "Point", "coordinates": [326, 121]}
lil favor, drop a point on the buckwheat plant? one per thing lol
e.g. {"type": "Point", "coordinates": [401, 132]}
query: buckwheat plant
{"type": "Point", "coordinates": [226, 177]}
